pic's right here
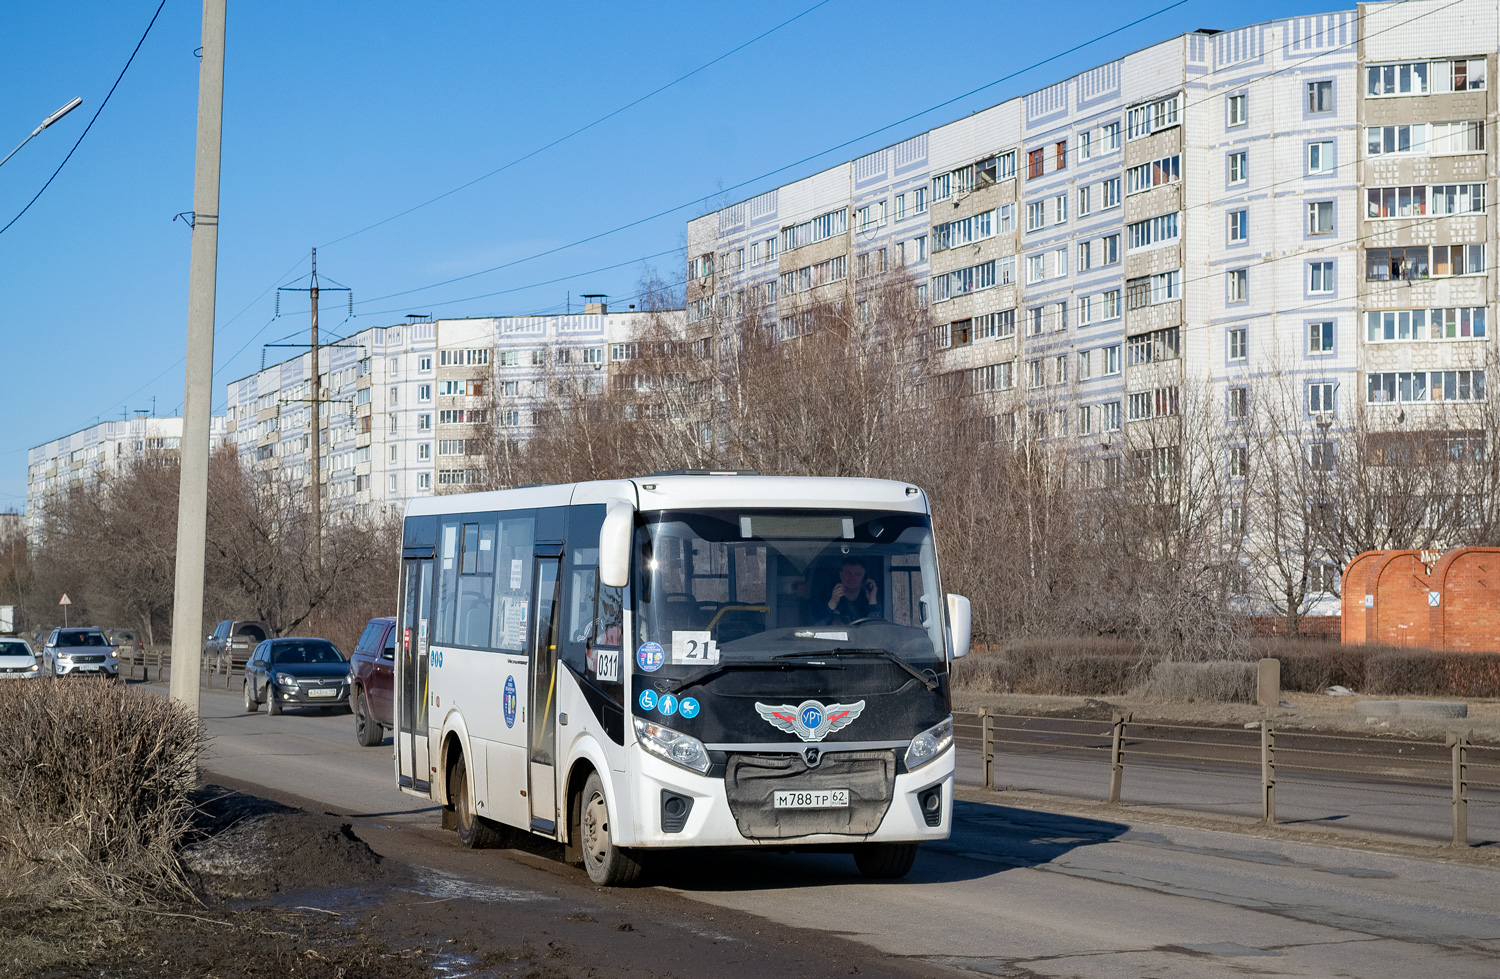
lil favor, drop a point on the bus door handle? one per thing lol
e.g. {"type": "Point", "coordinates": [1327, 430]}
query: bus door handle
{"type": "Point", "coordinates": [562, 719]}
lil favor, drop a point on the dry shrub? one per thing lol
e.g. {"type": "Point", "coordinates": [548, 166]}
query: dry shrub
{"type": "Point", "coordinates": [1434, 674]}
{"type": "Point", "coordinates": [1064, 666]}
{"type": "Point", "coordinates": [1214, 681]}
{"type": "Point", "coordinates": [94, 783]}
{"type": "Point", "coordinates": [1312, 666]}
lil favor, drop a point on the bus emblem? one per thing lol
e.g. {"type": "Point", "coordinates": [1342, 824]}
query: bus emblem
{"type": "Point", "coordinates": [810, 720]}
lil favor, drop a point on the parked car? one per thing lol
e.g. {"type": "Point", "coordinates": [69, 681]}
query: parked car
{"type": "Point", "coordinates": [17, 661]}
{"type": "Point", "coordinates": [125, 640]}
{"type": "Point", "coordinates": [80, 650]}
{"type": "Point", "coordinates": [296, 671]}
{"type": "Point", "coordinates": [230, 643]}
{"type": "Point", "coordinates": [372, 672]}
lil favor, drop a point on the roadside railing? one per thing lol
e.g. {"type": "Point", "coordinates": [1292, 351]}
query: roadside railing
{"type": "Point", "coordinates": [1437, 771]}
{"type": "Point", "coordinates": [147, 662]}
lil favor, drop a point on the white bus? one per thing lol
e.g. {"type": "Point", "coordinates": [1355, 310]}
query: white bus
{"type": "Point", "coordinates": [683, 659]}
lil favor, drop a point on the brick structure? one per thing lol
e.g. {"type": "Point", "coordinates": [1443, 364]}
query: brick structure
{"type": "Point", "coordinates": [1464, 608]}
{"type": "Point", "coordinates": [1399, 616]}
{"type": "Point", "coordinates": [1356, 597]}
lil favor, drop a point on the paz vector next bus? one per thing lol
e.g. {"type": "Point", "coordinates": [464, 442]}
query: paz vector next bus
{"type": "Point", "coordinates": [678, 660]}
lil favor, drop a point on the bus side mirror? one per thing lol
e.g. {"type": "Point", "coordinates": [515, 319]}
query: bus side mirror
{"type": "Point", "coordinates": [960, 625]}
{"type": "Point", "coordinates": [614, 545]}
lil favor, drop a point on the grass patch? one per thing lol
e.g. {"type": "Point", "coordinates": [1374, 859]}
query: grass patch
{"type": "Point", "coordinates": [1214, 681]}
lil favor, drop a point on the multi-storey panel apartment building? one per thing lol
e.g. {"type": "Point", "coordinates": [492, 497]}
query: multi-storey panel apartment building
{"type": "Point", "coordinates": [414, 409]}
{"type": "Point", "coordinates": [1303, 202]}
{"type": "Point", "coordinates": [99, 451]}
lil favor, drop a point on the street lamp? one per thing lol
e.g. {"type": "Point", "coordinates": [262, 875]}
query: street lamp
{"type": "Point", "coordinates": [45, 123]}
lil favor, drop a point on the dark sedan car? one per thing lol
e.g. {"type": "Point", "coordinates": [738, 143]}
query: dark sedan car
{"type": "Point", "coordinates": [296, 672]}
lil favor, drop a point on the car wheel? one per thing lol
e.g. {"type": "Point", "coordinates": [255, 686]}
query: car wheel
{"type": "Point", "coordinates": [272, 704]}
{"type": "Point", "coordinates": [474, 831]}
{"type": "Point", "coordinates": [885, 861]}
{"type": "Point", "coordinates": [252, 706]}
{"type": "Point", "coordinates": [607, 865]}
{"type": "Point", "coordinates": [366, 731]}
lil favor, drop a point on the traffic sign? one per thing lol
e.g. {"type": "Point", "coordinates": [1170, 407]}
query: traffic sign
{"type": "Point", "coordinates": [65, 600]}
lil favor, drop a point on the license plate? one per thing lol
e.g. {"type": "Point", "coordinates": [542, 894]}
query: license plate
{"type": "Point", "coordinates": [816, 799]}
{"type": "Point", "coordinates": [325, 692]}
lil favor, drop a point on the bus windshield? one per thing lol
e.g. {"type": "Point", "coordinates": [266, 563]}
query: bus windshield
{"type": "Point", "coordinates": [718, 586]}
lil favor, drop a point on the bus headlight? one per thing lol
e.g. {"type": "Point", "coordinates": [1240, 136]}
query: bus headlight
{"type": "Point", "coordinates": [679, 749]}
{"type": "Point", "coordinates": [929, 744]}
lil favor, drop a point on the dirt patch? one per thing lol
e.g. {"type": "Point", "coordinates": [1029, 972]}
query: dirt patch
{"type": "Point", "coordinates": [1304, 711]}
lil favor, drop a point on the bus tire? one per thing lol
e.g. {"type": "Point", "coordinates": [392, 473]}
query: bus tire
{"type": "Point", "coordinates": [607, 865]}
{"type": "Point", "coordinates": [474, 831]}
{"type": "Point", "coordinates": [885, 861]}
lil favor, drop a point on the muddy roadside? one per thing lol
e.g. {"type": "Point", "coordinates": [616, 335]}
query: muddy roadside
{"type": "Point", "coordinates": [290, 890]}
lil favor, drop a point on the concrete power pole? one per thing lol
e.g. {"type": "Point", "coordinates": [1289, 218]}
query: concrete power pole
{"type": "Point", "coordinates": [197, 400]}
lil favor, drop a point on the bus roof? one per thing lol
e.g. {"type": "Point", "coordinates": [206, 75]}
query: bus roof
{"type": "Point", "coordinates": [679, 492]}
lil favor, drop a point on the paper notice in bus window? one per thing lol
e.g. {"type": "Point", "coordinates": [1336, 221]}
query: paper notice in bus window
{"type": "Point", "coordinates": [515, 574]}
{"type": "Point", "coordinates": [515, 623]}
{"type": "Point", "coordinates": [694, 649]}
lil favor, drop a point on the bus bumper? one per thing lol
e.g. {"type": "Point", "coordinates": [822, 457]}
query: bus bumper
{"type": "Point", "coordinates": [710, 822]}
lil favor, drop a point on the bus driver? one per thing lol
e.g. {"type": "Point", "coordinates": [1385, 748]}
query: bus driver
{"type": "Point", "coordinates": [853, 597]}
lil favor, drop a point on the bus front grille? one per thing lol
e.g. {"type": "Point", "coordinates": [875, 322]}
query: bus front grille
{"type": "Point", "coordinates": [752, 781]}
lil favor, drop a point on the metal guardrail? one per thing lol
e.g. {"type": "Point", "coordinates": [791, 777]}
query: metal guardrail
{"type": "Point", "coordinates": [1454, 763]}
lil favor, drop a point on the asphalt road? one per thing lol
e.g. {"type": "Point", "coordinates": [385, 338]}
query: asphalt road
{"type": "Point", "coordinates": [1015, 892]}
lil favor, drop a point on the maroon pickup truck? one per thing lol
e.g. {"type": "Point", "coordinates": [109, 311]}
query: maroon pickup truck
{"type": "Point", "coordinates": [373, 669]}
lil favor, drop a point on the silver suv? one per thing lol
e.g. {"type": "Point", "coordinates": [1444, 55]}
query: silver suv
{"type": "Point", "coordinates": [85, 650]}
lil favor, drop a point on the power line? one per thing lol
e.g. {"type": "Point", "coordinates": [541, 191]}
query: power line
{"type": "Point", "coordinates": [129, 61]}
{"type": "Point", "coordinates": [584, 128]}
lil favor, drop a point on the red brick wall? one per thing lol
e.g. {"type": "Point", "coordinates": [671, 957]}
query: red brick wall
{"type": "Point", "coordinates": [1401, 616]}
{"type": "Point", "coordinates": [1467, 616]}
{"type": "Point", "coordinates": [1352, 624]}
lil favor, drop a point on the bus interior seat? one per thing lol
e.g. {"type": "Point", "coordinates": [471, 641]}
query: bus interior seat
{"type": "Point", "coordinates": [737, 623]}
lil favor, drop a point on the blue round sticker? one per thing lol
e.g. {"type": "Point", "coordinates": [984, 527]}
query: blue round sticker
{"type": "Point", "coordinates": [508, 702]}
{"type": "Point", "coordinates": [688, 708]}
{"type": "Point", "coordinates": [667, 705]}
{"type": "Point", "coordinates": [648, 700]}
{"type": "Point", "coordinates": [812, 716]}
{"type": "Point", "coordinates": [650, 656]}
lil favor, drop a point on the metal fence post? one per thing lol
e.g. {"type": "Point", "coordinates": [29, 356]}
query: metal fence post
{"type": "Point", "coordinates": [1117, 757]}
{"type": "Point", "coordinates": [987, 742]}
{"type": "Point", "coordinates": [1460, 745]}
{"type": "Point", "coordinates": [1267, 773]}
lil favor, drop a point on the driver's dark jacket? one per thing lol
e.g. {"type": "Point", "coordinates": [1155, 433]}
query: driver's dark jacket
{"type": "Point", "coordinates": [848, 610]}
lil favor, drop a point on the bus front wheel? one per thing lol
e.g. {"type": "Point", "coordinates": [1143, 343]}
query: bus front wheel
{"type": "Point", "coordinates": [474, 831]}
{"type": "Point", "coordinates": [607, 864]}
{"type": "Point", "coordinates": [885, 861]}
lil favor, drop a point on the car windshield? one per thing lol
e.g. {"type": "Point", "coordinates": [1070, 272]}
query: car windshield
{"type": "Point", "coordinates": [14, 648]}
{"type": "Point", "coordinates": [81, 639]}
{"type": "Point", "coordinates": [753, 586]}
{"type": "Point", "coordinates": [312, 651]}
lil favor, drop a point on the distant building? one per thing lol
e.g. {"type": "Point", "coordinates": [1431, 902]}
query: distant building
{"type": "Point", "coordinates": [99, 450]}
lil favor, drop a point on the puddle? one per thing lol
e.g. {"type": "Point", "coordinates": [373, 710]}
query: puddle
{"type": "Point", "coordinates": [445, 886]}
{"type": "Point", "coordinates": [451, 965]}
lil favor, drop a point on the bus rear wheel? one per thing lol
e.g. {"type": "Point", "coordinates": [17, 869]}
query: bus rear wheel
{"type": "Point", "coordinates": [474, 831]}
{"type": "Point", "coordinates": [885, 861]}
{"type": "Point", "coordinates": [607, 864]}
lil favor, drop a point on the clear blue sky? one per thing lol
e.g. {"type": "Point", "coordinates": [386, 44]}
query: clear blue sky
{"type": "Point", "coordinates": [341, 114]}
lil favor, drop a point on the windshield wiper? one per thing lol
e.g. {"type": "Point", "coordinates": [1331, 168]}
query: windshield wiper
{"type": "Point", "coordinates": [930, 682]}
{"type": "Point", "coordinates": [693, 679]}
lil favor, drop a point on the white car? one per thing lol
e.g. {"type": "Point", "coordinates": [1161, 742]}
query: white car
{"type": "Point", "coordinates": [17, 661]}
{"type": "Point", "coordinates": [86, 650]}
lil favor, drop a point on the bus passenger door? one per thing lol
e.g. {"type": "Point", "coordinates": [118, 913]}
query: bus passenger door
{"type": "Point", "coordinates": [542, 781]}
{"type": "Point", "coordinates": [411, 696]}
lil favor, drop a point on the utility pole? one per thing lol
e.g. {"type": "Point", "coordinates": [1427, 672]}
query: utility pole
{"type": "Point", "coordinates": [313, 288]}
{"type": "Point", "coordinates": [192, 498]}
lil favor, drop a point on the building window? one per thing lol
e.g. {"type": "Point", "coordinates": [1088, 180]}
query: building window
{"type": "Point", "coordinates": [424, 481]}
{"type": "Point", "coordinates": [424, 423]}
{"type": "Point", "coordinates": [1320, 217]}
{"type": "Point", "coordinates": [424, 363]}
{"type": "Point", "coordinates": [1062, 154]}
{"type": "Point", "coordinates": [1157, 173]}
{"type": "Point", "coordinates": [1109, 247]}
{"type": "Point", "coordinates": [1319, 97]}
{"type": "Point", "coordinates": [1447, 323]}
{"type": "Point", "coordinates": [1239, 462]}
{"type": "Point", "coordinates": [1239, 167]}
{"type": "Point", "coordinates": [1239, 403]}
{"type": "Point", "coordinates": [1320, 397]}
{"type": "Point", "coordinates": [1239, 225]}
{"type": "Point", "coordinates": [1111, 300]}
{"type": "Point", "coordinates": [1320, 157]}
{"type": "Point", "coordinates": [424, 451]}
{"type": "Point", "coordinates": [1320, 278]}
{"type": "Point", "coordinates": [1112, 360]}
{"type": "Point", "coordinates": [424, 392]}
{"type": "Point", "coordinates": [1238, 285]}
{"type": "Point", "coordinates": [1083, 201]}
{"type": "Point", "coordinates": [1320, 337]}
{"type": "Point", "coordinates": [1085, 145]}
{"type": "Point", "coordinates": [1109, 134]}
{"type": "Point", "coordinates": [390, 483]}
{"type": "Point", "coordinates": [1237, 110]}
{"type": "Point", "coordinates": [1110, 193]}
{"type": "Point", "coordinates": [1322, 456]}
{"type": "Point", "coordinates": [1238, 343]}
{"type": "Point", "coordinates": [1060, 209]}
{"type": "Point", "coordinates": [1035, 160]}
{"type": "Point", "coordinates": [1406, 387]}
